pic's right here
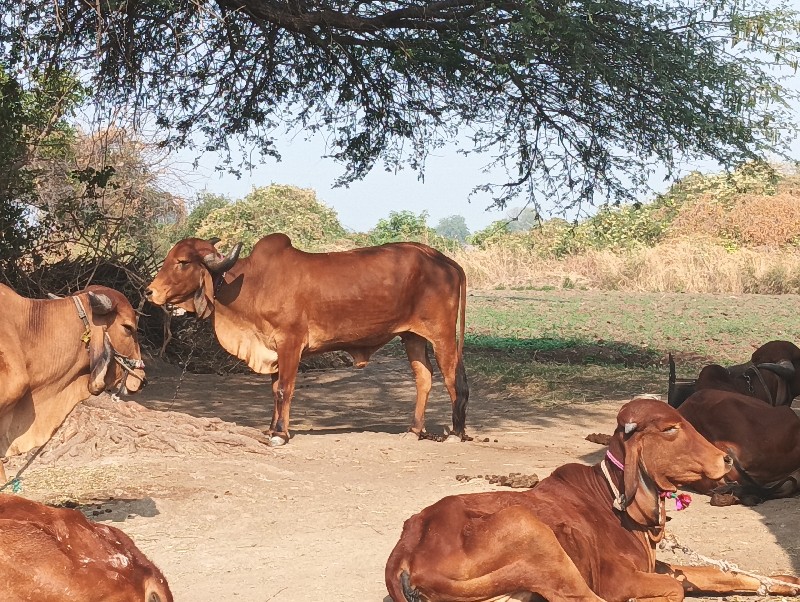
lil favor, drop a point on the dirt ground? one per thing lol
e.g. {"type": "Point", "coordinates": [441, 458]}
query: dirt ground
{"type": "Point", "coordinates": [316, 519]}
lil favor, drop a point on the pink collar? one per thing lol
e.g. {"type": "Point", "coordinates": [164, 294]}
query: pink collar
{"type": "Point", "coordinates": [614, 461]}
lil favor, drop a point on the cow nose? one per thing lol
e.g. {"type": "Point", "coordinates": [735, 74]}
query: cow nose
{"type": "Point", "coordinates": [148, 292]}
{"type": "Point", "coordinates": [728, 461]}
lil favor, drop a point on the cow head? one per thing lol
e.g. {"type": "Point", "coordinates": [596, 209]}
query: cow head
{"type": "Point", "coordinates": [186, 279]}
{"type": "Point", "coordinates": [661, 452]}
{"type": "Point", "coordinates": [782, 358]}
{"type": "Point", "coordinates": [115, 359]}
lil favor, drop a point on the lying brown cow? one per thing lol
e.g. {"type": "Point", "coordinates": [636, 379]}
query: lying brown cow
{"type": "Point", "coordinates": [763, 442]}
{"type": "Point", "coordinates": [56, 555]}
{"type": "Point", "coordinates": [584, 533]}
{"type": "Point", "coordinates": [55, 353]}
{"type": "Point", "coordinates": [772, 375]}
{"type": "Point", "coordinates": [279, 304]}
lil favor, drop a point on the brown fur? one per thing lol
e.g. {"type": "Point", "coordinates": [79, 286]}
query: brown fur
{"type": "Point", "coordinates": [280, 304]}
{"type": "Point", "coordinates": [56, 555]}
{"type": "Point", "coordinates": [756, 378]}
{"type": "Point", "coordinates": [563, 540]}
{"type": "Point", "coordinates": [764, 441]}
{"type": "Point", "coordinates": [46, 368]}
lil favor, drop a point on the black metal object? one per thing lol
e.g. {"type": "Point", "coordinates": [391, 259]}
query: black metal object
{"type": "Point", "coordinates": [679, 388]}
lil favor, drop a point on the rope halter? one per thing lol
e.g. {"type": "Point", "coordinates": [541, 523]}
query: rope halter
{"type": "Point", "coordinates": [127, 363]}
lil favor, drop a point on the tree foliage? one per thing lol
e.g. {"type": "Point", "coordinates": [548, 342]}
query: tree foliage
{"type": "Point", "coordinates": [401, 226]}
{"type": "Point", "coordinates": [276, 208]}
{"type": "Point", "coordinates": [32, 129]}
{"type": "Point", "coordinates": [577, 100]}
{"type": "Point", "coordinates": [454, 227]}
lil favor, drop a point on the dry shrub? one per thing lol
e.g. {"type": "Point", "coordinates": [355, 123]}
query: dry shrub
{"type": "Point", "coordinates": [503, 267]}
{"type": "Point", "coordinates": [691, 265]}
{"type": "Point", "coordinates": [747, 219]}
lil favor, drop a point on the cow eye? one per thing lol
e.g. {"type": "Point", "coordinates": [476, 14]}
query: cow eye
{"type": "Point", "coordinates": [182, 263]}
{"type": "Point", "coordinates": [670, 430]}
{"type": "Point", "coordinates": [129, 328]}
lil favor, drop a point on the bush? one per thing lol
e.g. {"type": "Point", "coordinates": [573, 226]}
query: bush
{"type": "Point", "coordinates": [403, 226]}
{"type": "Point", "coordinates": [276, 208]}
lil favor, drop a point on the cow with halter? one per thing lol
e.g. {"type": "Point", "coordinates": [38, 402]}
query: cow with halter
{"type": "Point", "coordinates": [584, 533]}
{"type": "Point", "coordinates": [56, 555]}
{"type": "Point", "coordinates": [763, 443]}
{"type": "Point", "coordinates": [772, 375]}
{"type": "Point", "coordinates": [55, 353]}
{"type": "Point", "coordinates": [280, 304]}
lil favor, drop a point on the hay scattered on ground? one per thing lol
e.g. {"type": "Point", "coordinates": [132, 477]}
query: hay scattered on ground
{"type": "Point", "coordinates": [102, 427]}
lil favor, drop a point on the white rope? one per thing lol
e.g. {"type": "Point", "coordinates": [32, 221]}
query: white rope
{"type": "Point", "coordinates": [671, 543]}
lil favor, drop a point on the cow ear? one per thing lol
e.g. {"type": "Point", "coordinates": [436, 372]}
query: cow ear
{"type": "Point", "coordinates": [101, 303]}
{"type": "Point", "coordinates": [201, 307]}
{"type": "Point", "coordinates": [100, 355]}
{"type": "Point", "coordinates": [633, 451]}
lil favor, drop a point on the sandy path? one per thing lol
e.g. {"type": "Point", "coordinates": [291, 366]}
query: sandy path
{"type": "Point", "coordinates": [316, 520]}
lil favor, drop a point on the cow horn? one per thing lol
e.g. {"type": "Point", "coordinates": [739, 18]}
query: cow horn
{"type": "Point", "coordinates": [785, 369]}
{"type": "Point", "coordinates": [218, 265]}
{"type": "Point", "coordinates": [630, 427]}
{"type": "Point", "coordinates": [214, 240]}
{"type": "Point", "coordinates": [101, 303]}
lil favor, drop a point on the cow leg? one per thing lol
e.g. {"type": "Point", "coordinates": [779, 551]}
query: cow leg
{"type": "Point", "coordinates": [417, 352]}
{"type": "Point", "coordinates": [641, 586]}
{"type": "Point", "coordinates": [276, 397]}
{"type": "Point", "coordinates": [455, 379]}
{"type": "Point", "coordinates": [711, 580]}
{"type": "Point", "coordinates": [509, 552]}
{"type": "Point", "coordinates": [283, 391]}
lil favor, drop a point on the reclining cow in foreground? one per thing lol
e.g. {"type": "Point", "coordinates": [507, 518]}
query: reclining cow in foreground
{"type": "Point", "coordinates": [772, 375]}
{"type": "Point", "coordinates": [56, 555]}
{"type": "Point", "coordinates": [584, 533]}
{"type": "Point", "coordinates": [280, 303]}
{"type": "Point", "coordinates": [763, 443]}
{"type": "Point", "coordinates": [54, 354]}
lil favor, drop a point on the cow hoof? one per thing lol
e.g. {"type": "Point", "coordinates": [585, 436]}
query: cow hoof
{"type": "Point", "coordinates": [452, 438]}
{"type": "Point", "coordinates": [276, 441]}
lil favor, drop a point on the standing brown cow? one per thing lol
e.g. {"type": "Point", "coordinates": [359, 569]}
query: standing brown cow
{"type": "Point", "coordinates": [56, 555]}
{"type": "Point", "coordinates": [280, 303]}
{"type": "Point", "coordinates": [584, 533]}
{"type": "Point", "coordinates": [55, 353]}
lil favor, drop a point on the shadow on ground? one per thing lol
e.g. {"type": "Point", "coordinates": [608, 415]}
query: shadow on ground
{"type": "Point", "coordinates": [378, 398]}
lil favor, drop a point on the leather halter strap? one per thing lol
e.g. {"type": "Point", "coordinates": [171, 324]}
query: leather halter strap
{"type": "Point", "coordinates": [620, 503]}
{"type": "Point", "coordinates": [755, 369]}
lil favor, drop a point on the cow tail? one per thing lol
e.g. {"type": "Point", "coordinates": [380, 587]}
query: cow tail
{"type": "Point", "coordinates": [462, 386]}
{"type": "Point", "coordinates": [462, 316]}
{"type": "Point", "coordinates": [401, 590]}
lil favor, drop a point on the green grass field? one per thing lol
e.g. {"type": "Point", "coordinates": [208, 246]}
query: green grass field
{"type": "Point", "coordinates": [564, 346]}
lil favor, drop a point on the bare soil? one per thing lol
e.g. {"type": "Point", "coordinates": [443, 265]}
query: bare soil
{"type": "Point", "coordinates": [229, 519]}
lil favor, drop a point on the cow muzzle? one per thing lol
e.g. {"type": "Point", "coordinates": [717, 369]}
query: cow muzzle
{"type": "Point", "coordinates": [154, 296]}
{"type": "Point", "coordinates": [133, 369]}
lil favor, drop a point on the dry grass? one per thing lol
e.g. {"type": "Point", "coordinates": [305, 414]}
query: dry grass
{"type": "Point", "coordinates": [691, 266]}
{"type": "Point", "coordinates": [750, 219]}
